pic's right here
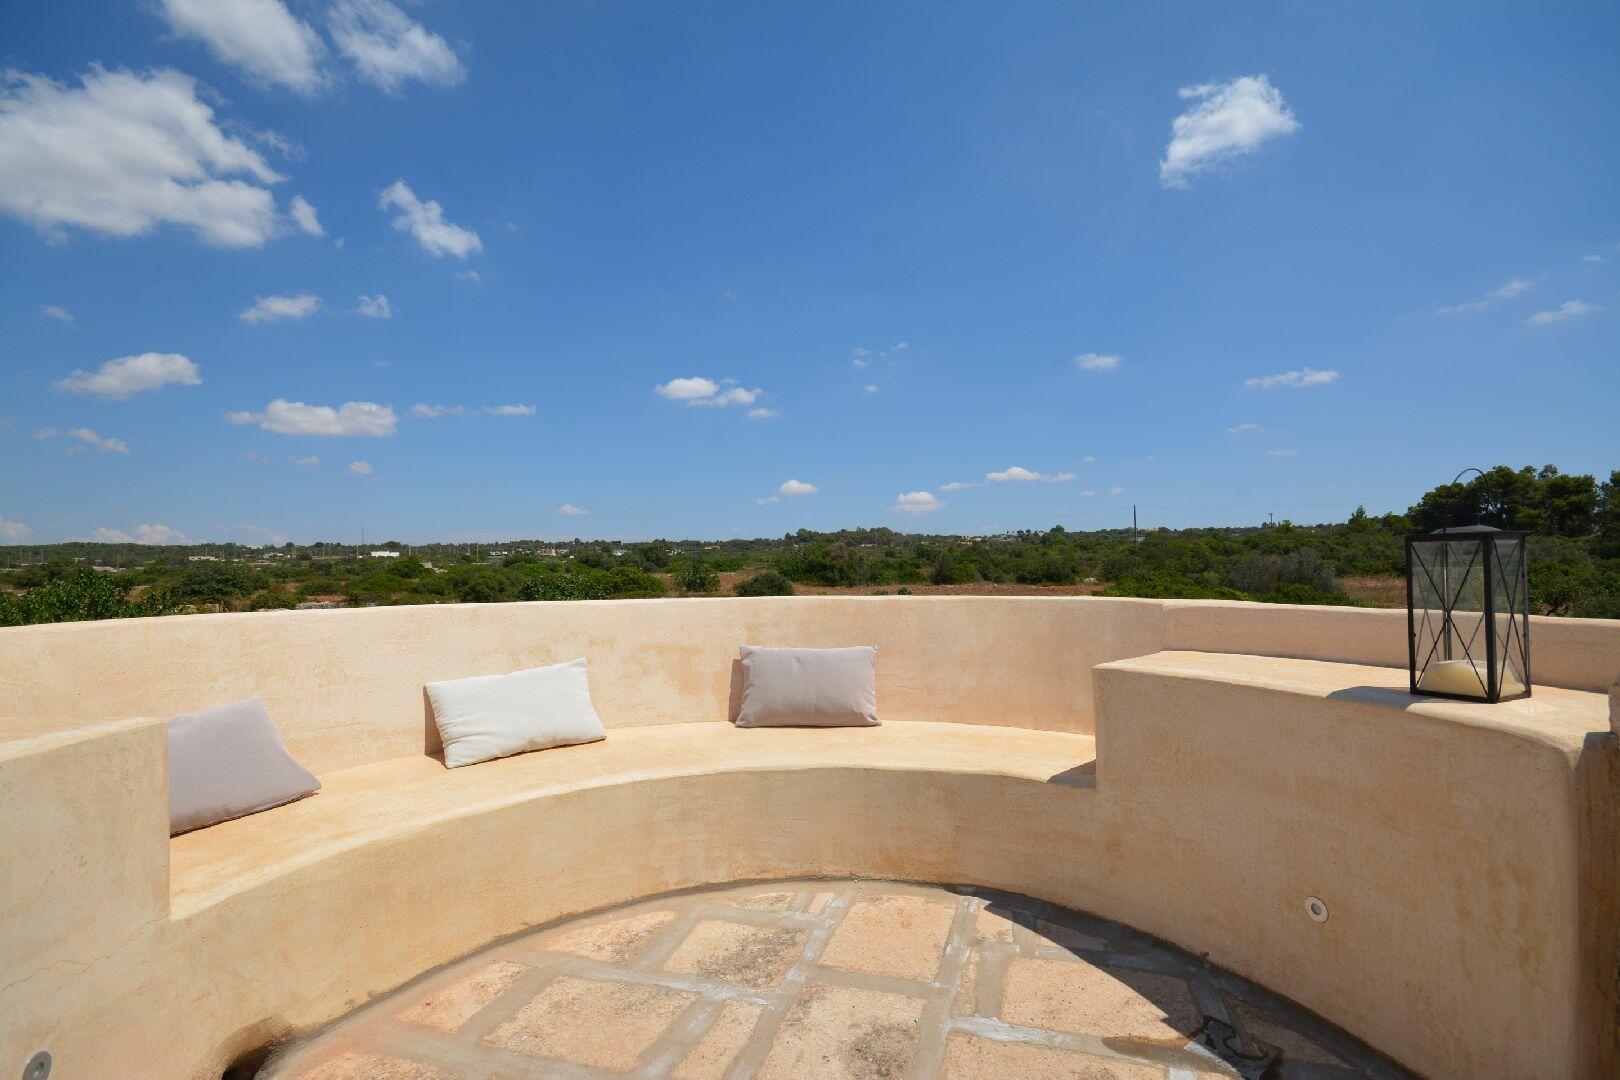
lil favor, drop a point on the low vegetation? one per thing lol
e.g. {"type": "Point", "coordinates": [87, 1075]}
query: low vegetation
{"type": "Point", "coordinates": [1574, 562]}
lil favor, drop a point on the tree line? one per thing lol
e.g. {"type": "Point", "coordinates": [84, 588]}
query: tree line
{"type": "Point", "coordinates": [1574, 522]}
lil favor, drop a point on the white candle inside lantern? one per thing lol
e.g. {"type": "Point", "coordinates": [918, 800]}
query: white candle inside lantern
{"type": "Point", "coordinates": [1464, 677]}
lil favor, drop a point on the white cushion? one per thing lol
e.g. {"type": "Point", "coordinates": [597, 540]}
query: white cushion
{"type": "Point", "coordinates": [809, 687]}
{"type": "Point", "coordinates": [228, 762]}
{"type": "Point", "coordinates": [491, 716]}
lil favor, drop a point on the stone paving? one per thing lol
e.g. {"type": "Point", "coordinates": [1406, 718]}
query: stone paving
{"type": "Point", "coordinates": [805, 980]}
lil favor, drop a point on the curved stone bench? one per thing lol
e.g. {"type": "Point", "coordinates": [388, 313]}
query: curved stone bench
{"type": "Point", "coordinates": [1460, 848]}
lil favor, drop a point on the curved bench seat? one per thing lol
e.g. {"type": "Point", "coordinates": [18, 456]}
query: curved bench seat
{"type": "Point", "coordinates": [369, 804]}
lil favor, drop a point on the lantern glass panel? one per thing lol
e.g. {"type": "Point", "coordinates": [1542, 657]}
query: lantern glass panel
{"type": "Point", "coordinates": [1512, 616]}
{"type": "Point", "coordinates": [1448, 615]}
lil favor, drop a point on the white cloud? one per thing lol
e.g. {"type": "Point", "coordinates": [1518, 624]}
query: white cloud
{"type": "Point", "coordinates": [696, 390]}
{"type": "Point", "coordinates": [296, 418]}
{"type": "Point", "coordinates": [1516, 287]}
{"type": "Point", "coordinates": [13, 532]}
{"type": "Point", "coordinates": [1248, 427]}
{"type": "Point", "coordinates": [1593, 259]}
{"type": "Point", "coordinates": [763, 414]}
{"type": "Point", "coordinates": [128, 375]}
{"type": "Point", "coordinates": [1017, 474]}
{"type": "Point", "coordinates": [687, 389]}
{"type": "Point", "coordinates": [1088, 493]}
{"type": "Point", "coordinates": [570, 510]}
{"type": "Point", "coordinates": [1569, 309]}
{"type": "Point", "coordinates": [272, 308]}
{"type": "Point", "coordinates": [158, 534]}
{"type": "Point", "coordinates": [304, 216]}
{"type": "Point", "coordinates": [144, 534]}
{"type": "Point", "coordinates": [509, 410]}
{"type": "Point", "coordinates": [1302, 377]}
{"type": "Point", "coordinates": [797, 487]}
{"type": "Point", "coordinates": [900, 346]}
{"type": "Point", "coordinates": [263, 38]}
{"type": "Point", "coordinates": [1097, 362]}
{"type": "Point", "coordinates": [871, 389]}
{"type": "Point", "coordinates": [90, 438]}
{"type": "Point", "coordinates": [1116, 491]}
{"type": "Point", "coordinates": [431, 412]}
{"type": "Point", "coordinates": [46, 433]}
{"type": "Point", "coordinates": [389, 48]}
{"type": "Point", "coordinates": [425, 221]}
{"type": "Point", "coordinates": [57, 312]}
{"type": "Point", "coordinates": [916, 503]}
{"type": "Point", "coordinates": [1282, 453]}
{"type": "Point", "coordinates": [860, 362]}
{"type": "Point", "coordinates": [731, 395]}
{"type": "Point", "coordinates": [1231, 119]}
{"type": "Point", "coordinates": [766, 500]}
{"type": "Point", "coordinates": [124, 152]}
{"type": "Point", "coordinates": [1088, 459]}
{"type": "Point", "coordinates": [307, 462]}
{"type": "Point", "coordinates": [468, 275]}
{"type": "Point", "coordinates": [374, 307]}
{"type": "Point", "coordinates": [360, 468]}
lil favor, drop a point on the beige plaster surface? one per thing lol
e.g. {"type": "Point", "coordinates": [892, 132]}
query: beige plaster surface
{"type": "Point", "coordinates": [1127, 1011]}
{"type": "Point", "coordinates": [1467, 852]}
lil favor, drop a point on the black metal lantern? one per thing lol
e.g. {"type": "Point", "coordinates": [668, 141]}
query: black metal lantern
{"type": "Point", "coordinates": [1468, 613]}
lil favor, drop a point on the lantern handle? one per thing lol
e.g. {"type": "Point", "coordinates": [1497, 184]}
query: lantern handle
{"type": "Point", "coordinates": [1450, 521]}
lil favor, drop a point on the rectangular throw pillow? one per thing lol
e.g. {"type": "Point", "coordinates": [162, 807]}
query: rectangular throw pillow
{"type": "Point", "coordinates": [492, 716]}
{"type": "Point", "coordinates": [809, 687]}
{"type": "Point", "coordinates": [227, 763]}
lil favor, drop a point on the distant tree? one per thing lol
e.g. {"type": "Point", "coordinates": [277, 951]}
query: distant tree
{"type": "Point", "coordinates": [653, 556]}
{"type": "Point", "coordinates": [214, 583]}
{"type": "Point", "coordinates": [1608, 517]}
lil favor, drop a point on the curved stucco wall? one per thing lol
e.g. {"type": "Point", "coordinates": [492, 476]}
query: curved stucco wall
{"type": "Point", "coordinates": [1466, 851]}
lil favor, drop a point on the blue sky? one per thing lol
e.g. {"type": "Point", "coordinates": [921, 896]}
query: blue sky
{"type": "Point", "coordinates": [958, 268]}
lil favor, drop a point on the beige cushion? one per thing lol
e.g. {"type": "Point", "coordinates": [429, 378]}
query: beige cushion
{"type": "Point", "coordinates": [228, 762]}
{"type": "Point", "coordinates": [491, 716]}
{"type": "Point", "coordinates": [809, 687]}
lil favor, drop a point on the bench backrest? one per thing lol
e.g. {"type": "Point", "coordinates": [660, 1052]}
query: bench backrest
{"type": "Point", "coordinates": [345, 686]}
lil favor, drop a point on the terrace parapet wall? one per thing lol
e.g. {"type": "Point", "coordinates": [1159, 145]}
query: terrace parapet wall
{"type": "Point", "coordinates": [1193, 769]}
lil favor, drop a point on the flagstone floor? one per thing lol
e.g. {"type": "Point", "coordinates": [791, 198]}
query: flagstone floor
{"type": "Point", "coordinates": [805, 980]}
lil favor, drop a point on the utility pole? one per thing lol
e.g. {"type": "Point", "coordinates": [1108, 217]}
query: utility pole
{"type": "Point", "coordinates": [1133, 523]}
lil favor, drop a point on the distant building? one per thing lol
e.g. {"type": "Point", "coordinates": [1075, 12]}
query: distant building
{"type": "Point", "coordinates": [385, 554]}
{"type": "Point", "coordinates": [203, 558]}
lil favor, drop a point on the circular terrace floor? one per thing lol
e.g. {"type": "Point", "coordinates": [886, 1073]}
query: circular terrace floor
{"type": "Point", "coordinates": [814, 979]}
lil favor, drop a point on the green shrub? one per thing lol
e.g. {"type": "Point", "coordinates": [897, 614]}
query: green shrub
{"type": "Point", "coordinates": [78, 596]}
{"type": "Point", "coordinates": [476, 584]}
{"type": "Point", "coordinates": [768, 583]}
{"type": "Point", "coordinates": [555, 585]}
{"type": "Point", "coordinates": [696, 576]}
